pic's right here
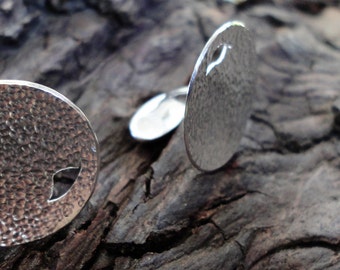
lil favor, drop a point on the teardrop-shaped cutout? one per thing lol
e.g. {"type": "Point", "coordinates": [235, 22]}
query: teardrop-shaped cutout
{"type": "Point", "coordinates": [63, 181]}
{"type": "Point", "coordinates": [218, 56]}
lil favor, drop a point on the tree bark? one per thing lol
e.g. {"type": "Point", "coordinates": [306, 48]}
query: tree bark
{"type": "Point", "coordinates": [274, 206]}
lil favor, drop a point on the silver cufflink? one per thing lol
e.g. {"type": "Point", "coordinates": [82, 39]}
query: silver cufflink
{"type": "Point", "coordinates": [49, 161]}
{"type": "Point", "coordinates": [216, 104]}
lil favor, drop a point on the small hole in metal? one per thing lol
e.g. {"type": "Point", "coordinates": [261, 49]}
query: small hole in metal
{"type": "Point", "coordinates": [63, 181]}
{"type": "Point", "coordinates": [217, 53]}
{"type": "Point", "coordinates": [218, 57]}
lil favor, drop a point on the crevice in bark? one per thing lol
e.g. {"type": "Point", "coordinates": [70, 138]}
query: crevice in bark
{"type": "Point", "coordinates": [289, 144]}
{"type": "Point", "coordinates": [303, 243]}
{"type": "Point", "coordinates": [112, 210]}
{"type": "Point", "coordinates": [148, 177]}
{"type": "Point", "coordinates": [156, 242]}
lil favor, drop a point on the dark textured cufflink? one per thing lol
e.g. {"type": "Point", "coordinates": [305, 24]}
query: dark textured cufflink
{"type": "Point", "coordinates": [49, 161]}
{"type": "Point", "coordinates": [218, 100]}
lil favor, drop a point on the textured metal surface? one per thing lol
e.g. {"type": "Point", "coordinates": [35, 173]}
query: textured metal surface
{"type": "Point", "coordinates": [41, 133]}
{"type": "Point", "coordinates": [220, 96]}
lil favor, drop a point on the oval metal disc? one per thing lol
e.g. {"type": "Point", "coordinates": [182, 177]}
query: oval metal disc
{"type": "Point", "coordinates": [43, 136]}
{"type": "Point", "coordinates": [159, 115]}
{"type": "Point", "coordinates": [220, 97]}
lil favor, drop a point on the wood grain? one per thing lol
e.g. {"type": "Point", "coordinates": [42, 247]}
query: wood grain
{"type": "Point", "coordinates": [274, 206]}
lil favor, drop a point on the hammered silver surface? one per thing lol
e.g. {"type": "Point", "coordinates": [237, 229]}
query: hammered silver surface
{"type": "Point", "coordinates": [41, 133]}
{"type": "Point", "coordinates": [220, 97]}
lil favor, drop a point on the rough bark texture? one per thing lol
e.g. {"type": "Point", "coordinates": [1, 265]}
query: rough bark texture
{"type": "Point", "coordinates": [274, 206]}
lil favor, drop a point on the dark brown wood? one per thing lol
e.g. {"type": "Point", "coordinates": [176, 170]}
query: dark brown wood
{"type": "Point", "coordinates": [274, 206]}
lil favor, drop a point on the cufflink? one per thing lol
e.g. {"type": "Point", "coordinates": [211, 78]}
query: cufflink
{"type": "Point", "coordinates": [49, 161]}
{"type": "Point", "coordinates": [216, 104]}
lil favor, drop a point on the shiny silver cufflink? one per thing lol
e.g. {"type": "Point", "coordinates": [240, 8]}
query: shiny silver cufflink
{"type": "Point", "coordinates": [216, 104]}
{"type": "Point", "coordinates": [49, 161]}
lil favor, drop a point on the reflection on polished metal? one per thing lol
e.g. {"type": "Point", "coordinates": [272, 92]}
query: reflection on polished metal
{"type": "Point", "coordinates": [45, 140]}
{"type": "Point", "coordinates": [218, 102]}
{"type": "Point", "coordinates": [159, 115]}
